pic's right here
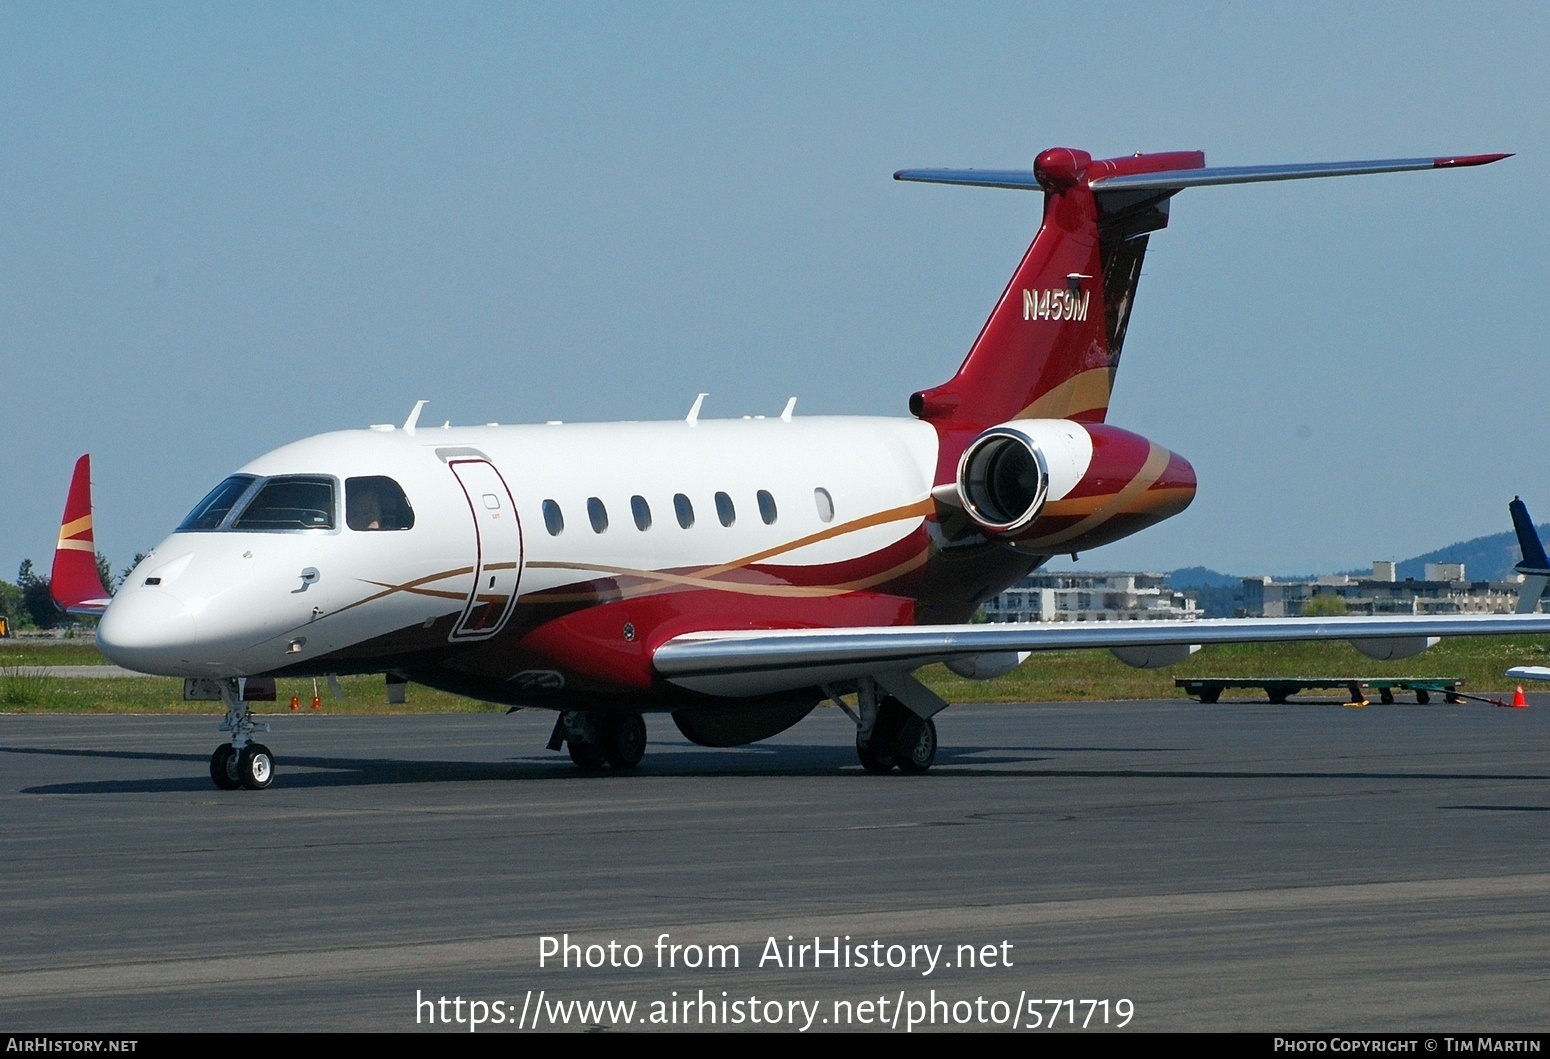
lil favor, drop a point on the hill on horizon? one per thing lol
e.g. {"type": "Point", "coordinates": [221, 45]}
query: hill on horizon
{"type": "Point", "coordinates": [1488, 558]}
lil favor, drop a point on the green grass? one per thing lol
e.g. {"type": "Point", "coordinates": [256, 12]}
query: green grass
{"type": "Point", "coordinates": [50, 653]}
{"type": "Point", "coordinates": [1049, 676]}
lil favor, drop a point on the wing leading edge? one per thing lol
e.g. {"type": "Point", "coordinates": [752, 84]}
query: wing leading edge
{"type": "Point", "coordinates": [740, 663]}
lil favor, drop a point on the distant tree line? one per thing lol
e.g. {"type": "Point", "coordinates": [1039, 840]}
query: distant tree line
{"type": "Point", "coordinates": [28, 603]}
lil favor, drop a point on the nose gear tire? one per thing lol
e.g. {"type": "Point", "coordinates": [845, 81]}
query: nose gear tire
{"type": "Point", "coordinates": [255, 766]}
{"type": "Point", "coordinates": [223, 767]}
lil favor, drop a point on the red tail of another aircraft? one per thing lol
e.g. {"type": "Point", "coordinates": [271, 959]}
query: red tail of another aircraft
{"type": "Point", "coordinates": [1052, 345]}
{"type": "Point", "coordinates": [75, 583]}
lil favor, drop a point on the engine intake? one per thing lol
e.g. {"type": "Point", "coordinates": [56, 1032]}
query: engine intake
{"type": "Point", "coordinates": [1003, 479]}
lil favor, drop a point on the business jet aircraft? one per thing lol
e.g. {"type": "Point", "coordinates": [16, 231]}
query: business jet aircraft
{"type": "Point", "coordinates": [731, 573]}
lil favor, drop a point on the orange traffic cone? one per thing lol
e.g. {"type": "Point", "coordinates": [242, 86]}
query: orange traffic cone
{"type": "Point", "coordinates": [295, 702]}
{"type": "Point", "coordinates": [1519, 700]}
{"type": "Point", "coordinates": [317, 703]}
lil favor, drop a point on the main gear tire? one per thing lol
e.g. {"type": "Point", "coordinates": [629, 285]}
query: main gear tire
{"type": "Point", "coordinates": [625, 742]}
{"type": "Point", "coordinates": [915, 745]}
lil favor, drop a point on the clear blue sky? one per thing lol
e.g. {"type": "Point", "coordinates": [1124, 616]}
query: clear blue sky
{"type": "Point", "coordinates": [224, 227]}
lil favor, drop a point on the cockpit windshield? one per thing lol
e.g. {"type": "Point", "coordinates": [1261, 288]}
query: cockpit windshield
{"type": "Point", "coordinates": [213, 509]}
{"type": "Point", "coordinates": [290, 503]}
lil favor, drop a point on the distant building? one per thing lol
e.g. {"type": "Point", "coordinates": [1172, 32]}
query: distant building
{"type": "Point", "coordinates": [1446, 593]}
{"type": "Point", "coordinates": [1100, 596]}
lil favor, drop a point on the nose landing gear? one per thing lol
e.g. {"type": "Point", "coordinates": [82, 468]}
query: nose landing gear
{"type": "Point", "coordinates": [241, 762]}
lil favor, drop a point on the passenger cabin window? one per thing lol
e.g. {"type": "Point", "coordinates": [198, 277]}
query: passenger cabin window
{"type": "Point", "coordinates": [825, 504]}
{"type": "Point", "coordinates": [598, 514]}
{"type": "Point", "coordinates": [554, 518]}
{"type": "Point", "coordinates": [767, 507]}
{"type": "Point", "coordinates": [642, 512]}
{"type": "Point", "coordinates": [724, 509]}
{"type": "Point", "coordinates": [290, 504]}
{"type": "Point", "coordinates": [683, 509]}
{"type": "Point", "coordinates": [213, 509]}
{"type": "Point", "coordinates": [376, 503]}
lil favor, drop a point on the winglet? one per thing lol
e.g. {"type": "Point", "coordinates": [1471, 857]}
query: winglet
{"type": "Point", "coordinates": [75, 583]}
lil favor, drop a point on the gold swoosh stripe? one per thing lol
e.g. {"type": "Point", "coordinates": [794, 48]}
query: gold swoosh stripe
{"type": "Point", "coordinates": [74, 546]}
{"type": "Point", "coordinates": [74, 526]}
{"type": "Point", "coordinates": [1156, 462]}
{"type": "Point", "coordinates": [702, 578]}
{"type": "Point", "coordinates": [919, 509]}
{"type": "Point", "coordinates": [1086, 505]}
{"type": "Point", "coordinates": [653, 580]}
{"type": "Point", "coordinates": [1082, 392]}
{"type": "Point", "coordinates": [413, 587]}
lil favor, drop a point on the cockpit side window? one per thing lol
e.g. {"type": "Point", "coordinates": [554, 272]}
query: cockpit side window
{"type": "Point", "coordinates": [210, 512]}
{"type": "Point", "coordinates": [376, 503]}
{"type": "Point", "coordinates": [290, 503]}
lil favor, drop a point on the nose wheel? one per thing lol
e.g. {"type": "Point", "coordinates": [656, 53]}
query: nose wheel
{"type": "Point", "coordinates": [251, 767]}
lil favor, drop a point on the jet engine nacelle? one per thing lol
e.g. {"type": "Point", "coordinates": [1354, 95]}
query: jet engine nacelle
{"type": "Point", "coordinates": [1005, 474]}
{"type": "Point", "coordinates": [1068, 485]}
{"type": "Point", "coordinates": [1393, 648]}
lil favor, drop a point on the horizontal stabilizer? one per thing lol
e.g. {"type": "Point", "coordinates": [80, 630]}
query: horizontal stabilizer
{"type": "Point", "coordinates": [1176, 179]}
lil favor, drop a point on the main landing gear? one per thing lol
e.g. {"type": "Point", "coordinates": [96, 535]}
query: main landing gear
{"type": "Point", "coordinates": [241, 762]}
{"type": "Point", "coordinates": [596, 739]}
{"type": "Point", "coordinates": [890, 734]}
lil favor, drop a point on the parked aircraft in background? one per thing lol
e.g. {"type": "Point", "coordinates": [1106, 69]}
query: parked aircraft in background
{"type": "Point", "coordinates": [730, 573]}
{"type": "Point", "coordinates": [1535, 568]}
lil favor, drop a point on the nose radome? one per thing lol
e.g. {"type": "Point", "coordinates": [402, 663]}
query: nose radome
{"type": "Point", "coordinates": [147, 630]}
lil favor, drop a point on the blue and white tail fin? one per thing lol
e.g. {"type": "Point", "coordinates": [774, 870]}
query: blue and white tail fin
{"type": "Point", "coordinates": [1535, 566]}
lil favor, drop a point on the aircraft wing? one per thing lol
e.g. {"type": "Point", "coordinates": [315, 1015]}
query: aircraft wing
{"type": "Point", "coordinates": [758, 662]}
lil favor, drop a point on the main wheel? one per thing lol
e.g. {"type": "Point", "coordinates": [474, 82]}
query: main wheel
{"type": "Point", "coordinates": [255, 767]}
{"type": "Point", "coordinates": [626, 740]}
{"type": "Point", "coordinates": [586, 755]}
{"type": "Point", "coordinates": [872, 759]}
{"type": "Point", "coordinates": [915, 745]}
{"type": "Point", "coordinates": [223, 768]}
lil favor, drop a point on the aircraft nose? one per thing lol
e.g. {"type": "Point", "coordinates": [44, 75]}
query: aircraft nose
{"type": "Point", "coordinates": [147, 631]}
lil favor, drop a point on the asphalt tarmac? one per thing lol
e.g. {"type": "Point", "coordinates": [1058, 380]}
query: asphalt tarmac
{"type": "Point", "coordinates": [1230, 867]}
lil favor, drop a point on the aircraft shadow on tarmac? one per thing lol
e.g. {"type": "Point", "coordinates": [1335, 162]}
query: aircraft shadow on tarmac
{"type": "Point", "coordinates": [773, 761]}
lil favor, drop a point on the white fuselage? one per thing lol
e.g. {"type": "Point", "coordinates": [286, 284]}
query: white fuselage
{"type": "Point", "coordinates": [228, 601]}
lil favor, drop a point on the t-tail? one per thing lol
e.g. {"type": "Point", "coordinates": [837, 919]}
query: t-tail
{"type": "Point", "coordinates": [1052, 345]}
{"type": "Point", "coordinates": [75, 583]}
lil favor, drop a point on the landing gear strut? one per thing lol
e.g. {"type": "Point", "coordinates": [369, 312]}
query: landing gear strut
{"type": "Point", "coordinates": [594, 739]}
{"type": "Point", "coordinates": [890, 735]}
{"type": "Point", "coordinates": [241, 762]}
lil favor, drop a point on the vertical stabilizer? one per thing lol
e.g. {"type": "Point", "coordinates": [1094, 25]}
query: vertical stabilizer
{"type": "Point", "coordinates": [75, 582]}
{"type": "Point", "coordinates": [1051, 346]}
